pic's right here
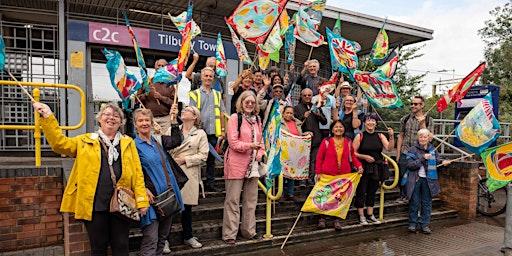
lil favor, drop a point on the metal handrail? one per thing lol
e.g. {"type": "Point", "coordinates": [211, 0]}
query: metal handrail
{"type": "Point", "coordinates": [37, 127]}
{"type": "Point", "coordinates": [384, 186]}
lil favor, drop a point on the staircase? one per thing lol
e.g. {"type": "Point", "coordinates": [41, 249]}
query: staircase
{"type": "Point", "coordinates": [207, 222]}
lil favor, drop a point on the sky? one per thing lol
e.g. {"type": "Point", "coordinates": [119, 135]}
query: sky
{"type": "Point", "coordinates": [456, 47]}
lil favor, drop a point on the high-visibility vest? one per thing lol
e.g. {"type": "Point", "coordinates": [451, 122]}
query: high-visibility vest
{"type": "Point", "coordinates": [196, 96]}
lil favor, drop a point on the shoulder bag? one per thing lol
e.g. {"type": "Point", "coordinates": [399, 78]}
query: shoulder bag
{"type": "Point", "coordinates": [166, 204]}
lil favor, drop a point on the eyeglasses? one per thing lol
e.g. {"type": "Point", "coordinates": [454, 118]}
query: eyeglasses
{"type": "Point", "coordinates": [111, 115]}
{"type": "Point", "coordinates": [415, 104]}
{"type": "Point", "coordinates": [249, 102]}
{"type": "Point", "coordinates": [188, 110]}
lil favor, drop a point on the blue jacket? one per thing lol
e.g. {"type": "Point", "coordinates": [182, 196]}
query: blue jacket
{"type": "Point", "coordinates": [415, 160]}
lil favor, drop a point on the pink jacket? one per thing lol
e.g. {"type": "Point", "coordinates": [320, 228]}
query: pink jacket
{"type": "Point", "coordinates": [326, 160]}
{"type": "Point", "coordinates": [238, 155]}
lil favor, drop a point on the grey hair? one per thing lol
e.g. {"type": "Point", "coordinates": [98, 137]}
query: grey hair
{"type": "Point", "coordinates": [314, 61]}
{"type": "Point", "coordinates": [423, 132]}
{"type": "Point", "coordinates": [207, 69]}
{"type": "Point", "coordinates": [115, 108]}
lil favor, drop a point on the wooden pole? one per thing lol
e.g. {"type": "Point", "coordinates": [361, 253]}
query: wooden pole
{"type": "Point", "coordinates": [379, 116]}
{"type": "Point", "coordinates": [21, 86]}
{"type": "Point", "coordinates": [310, 52]}
{"type": "Point", "coordinates": [291, 230]}
{"type": "Point", "coordinates": [456, 159]}
{"type": "Point", "coordinates": [445, 139]}
{"type": "Point", "coordinates": [430, 109]}
{"type": "Point", "coordinates": [155, 124]}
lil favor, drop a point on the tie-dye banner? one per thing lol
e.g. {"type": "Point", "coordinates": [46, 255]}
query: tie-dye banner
{"type": "Point", "coordinates": [254, 19]}
{"type": "Point", "coordinates": [332, 195]}
{"type": "Point", "coordinates": [221, 67]}
{"type": "Point", "coordinates": [138, 54]}
{"type": "Point", "coordinates": [480, 128]}
{"type": "Point", "coordinates": [123, 80]}
{"type": "Point", "coordinates": [379, 89]}
{"type": "Point", "coordinates": [272, 142]}
{"type": "Point", "coordinates": [243, 55]}
{"type": "Point", "coordinates": [380, 47]}
{"type": "Point", "coordinates": [168, 74]}
{"type": "Point", "coordinates": [343, 53]}
{"type": "Point", "coordinates": [460, 89]}
{"type": "Point", "coordinates": [295, 155]}
{"type": "Point", "coordinates": [498, 163]}
{"type": "Point", "coordinates": [289, 44]}
{"type": "Point", "coordinates": [305, 29]}
{"type": "Point", "coordinates": [180, 22]}
{"type": "Point", "coordinates": [273, 44]}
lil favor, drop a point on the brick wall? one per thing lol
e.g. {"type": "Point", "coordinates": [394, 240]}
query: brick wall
{"type": "Point", "coordinates": [76, 241]}
{"type": "Point", "coordinates": [459, 187]}
{"type": "Point", "coordinates": [29, 208]}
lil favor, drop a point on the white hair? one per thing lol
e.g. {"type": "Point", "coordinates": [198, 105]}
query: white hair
{"type": "Point", "coordinates": [424, 132]}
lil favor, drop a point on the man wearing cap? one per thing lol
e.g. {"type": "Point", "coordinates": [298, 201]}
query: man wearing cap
{"type": "Point", "coordinates": [267, 104]}
{"type": "Point", "coordinates": [311, 80]}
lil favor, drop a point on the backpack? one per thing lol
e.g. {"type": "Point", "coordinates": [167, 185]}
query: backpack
{"type": "Point", "coordinates": [427, 120]}
{"type": "Point", "coordinates": [225, 145]}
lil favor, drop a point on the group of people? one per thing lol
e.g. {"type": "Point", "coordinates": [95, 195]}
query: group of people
{"type": "Point", "coordinates": [150, 163]}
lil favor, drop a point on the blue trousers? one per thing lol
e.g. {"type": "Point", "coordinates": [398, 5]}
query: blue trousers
{"type": "Point", "coordinates": [420, 195]}
{"type": "Point", "coordinates": [288, 187]}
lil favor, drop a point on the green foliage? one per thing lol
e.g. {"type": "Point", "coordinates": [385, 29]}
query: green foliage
{"type": "Point", "coordinates": [497, 34]}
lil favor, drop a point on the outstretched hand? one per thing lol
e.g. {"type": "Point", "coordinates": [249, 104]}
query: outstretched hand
{"type": "Point", "coordinates": [41, 108]}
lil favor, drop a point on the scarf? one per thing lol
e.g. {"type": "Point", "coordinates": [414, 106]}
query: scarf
{"type": "Point", "coordinates": [252, 120]}
{"type": "Point", "coordinates": [112, 151]}
{"type": "Point", "coordinates": [431, 164]}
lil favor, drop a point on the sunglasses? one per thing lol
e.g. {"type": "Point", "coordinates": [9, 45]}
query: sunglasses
{"type": "Point", "coordinates": [415, 104]}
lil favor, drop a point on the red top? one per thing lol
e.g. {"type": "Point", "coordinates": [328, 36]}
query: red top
{"type": "Point", "coordinates": [326, 160]}
{"type": "Point", "coordinates": [292, 128]}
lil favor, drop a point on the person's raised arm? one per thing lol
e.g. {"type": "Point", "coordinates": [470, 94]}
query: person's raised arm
{"type": "Point", "coordinates": [192, 66]}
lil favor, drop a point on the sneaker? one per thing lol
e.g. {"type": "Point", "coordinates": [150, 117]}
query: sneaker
{"type": "Point", "coordinates": [337, 225]}
{"type": "Point", "coordinates": [193, 243]}
{"type": "Point", "coordinates": [412, 229]}
{"type": "Point", "coordinates": [321, 223]}
{"type": "Point", "coordinates": [373, 219]}
{"type": "Point", "coordinates": [167, 249]}
{"type": "Point", "coordinates": [362, 220]}
{"type": "Point", "coordinates": [426, 230]}
{"type": "Point", "coordinates": [230, 241]}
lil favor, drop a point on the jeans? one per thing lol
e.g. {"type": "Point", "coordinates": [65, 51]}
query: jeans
{"type": "Point", "coordinates": [210, 163]}
{"type": "Point", "coordinates": [420, 195]}
{"type": "Point", "coordinates": [402, 166]}
{"type": "Point", "coordinates": [154, 236]}
{"type": "Point", "coordinates": [107, 229]}
{"type": "Point", "coordinates": [288, 187]}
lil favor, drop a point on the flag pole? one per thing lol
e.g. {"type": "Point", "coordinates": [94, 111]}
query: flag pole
{"type": "Point", "coordinates": [310, 52]}
{"type": "Point", "coordinates": [380, 117]}
{"type": "Point", "coordinates": [254, 58]}
{"type": "Point", "coordinates": [21, 86]}
{"type": "Point", "coordinates": [445, 139]}
{"type": "Point", "coordinates": [430, 108]}
{"type": "Point", "coordinates": [456, 159]}
{"type": "Point", "coordinates": [159, 131]}
{"type": "Point", "coordinates": [291, 230]}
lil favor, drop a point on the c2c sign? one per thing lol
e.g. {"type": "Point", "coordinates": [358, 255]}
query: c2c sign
{"type": "Point", "coordinates": [116, 35]}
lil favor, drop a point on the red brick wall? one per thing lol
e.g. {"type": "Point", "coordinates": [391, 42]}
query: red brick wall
{"type": "Point", "coordinates": [29, 212]}
{"type": "Point", "coordinates": [76, 241]}
{"type": "Point", "coordinates": [459, 187]}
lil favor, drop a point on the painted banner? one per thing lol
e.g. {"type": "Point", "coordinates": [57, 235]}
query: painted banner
{"type": "Point", "coordinates": [295, 155]}
{"type": "Point", "coordinates": [138, 54]}
{"type": "Point", "coordinates": [305, 29]}
{"type": "Point", "coordinates": [390, 63]}
{"type": "Point", "coordinates": [243, 55]}
{"type": "Point", "coordinates": [332, 195]}
{"type": "Point", "coordinates": [289, 44]}
{"type": "Point", "coordinates": [498, 162]}
{"type": "Point", "coordinates": [379, 89]}
{"type": "Point", "coordinates": [315, 11]}
{"type": "Point", "coordinates": [479, 128]}
{"type": "Point", "coordinates": [272, 142]}
{"type": "Point", "coordinates": [380, 47]}
{"type": "Point", "coordinates": [343, 53]}
{"type": "Point", "coordinates": [221, 67]}
{"type": "Point", "coordinates": [180, 22]}
{"type": "Point", "coordinates": [123, 80]}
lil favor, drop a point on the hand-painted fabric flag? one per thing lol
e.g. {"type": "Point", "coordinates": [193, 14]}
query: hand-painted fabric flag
{"type": "Point", "coordinates": [186, 42]}
{"type": "Point", "coordinates": [324, 90]}
{"type": "Point", "coordinates": [480, 127]}
{"type": "Point", "coordinates": [138, 54]}
{"type": "Point", "coordinates": [243, 55]}
{"type": "Point", "coordinates": [305, 29]}
{"type": "Point", "coordinates": [379, 89]}
{"type": "Point", "coordinates": [295, 155]}
{"type": "Point", "coordinates": [180, 22]}
{"type": "Point", "coordinates": [498, 163]}
{"type": "Point", "coordinates": [343, 53]}
{"type": "Point", "coordinates": [2, 54]}
{"type": "Point", "coordinates": [289, 45]}
{"type": "Point", "coordinates": [380, 47]}
{"type": "Point", "coordinates": [390, 64]}
{"type": "Point", "coordinates": [273, 44]}
{"type": "Point", "coordinates": [123, 80]}
{"type": "Point", "coordinates": [253, 19]}
{"type": "Point", "coordinates": [315, 11]}
{"type": "Point", "coordinates": [284, 22]}
{"type": "Point", "coordinates": [460, 89]}
{"type": "Point", "coordinates": [332, 195]}
{"type": "Point", "coordinates": [337, 26]}
{"type": "Point", "coordinates": [221, 67]}
{"type": "Point", "coordinates": [168, 74]}
{"type": "Point", "coordinates": [272, 142]}
{"type": "Point", "coordinates": [288, 98]}
{"type": "Point", "coordinates": [263, 58]}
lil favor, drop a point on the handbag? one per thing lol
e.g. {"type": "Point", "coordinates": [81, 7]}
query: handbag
{"type": "Point", "coordinates": [257, 170]}
{"type": "Point", "coordinates": [123, 203]}
{"type": "Point", "coordinates": [166, 204]}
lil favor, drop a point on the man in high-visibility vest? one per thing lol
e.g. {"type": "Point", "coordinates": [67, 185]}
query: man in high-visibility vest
{"type": "Point", "coordinates": [212, 108]}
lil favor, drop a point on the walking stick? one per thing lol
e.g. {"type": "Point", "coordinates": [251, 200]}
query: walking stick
{"type": "Point", "coordinates": [291, 230]}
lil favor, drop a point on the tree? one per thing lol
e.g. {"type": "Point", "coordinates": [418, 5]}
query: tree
{"type": "Point", "coordinates": [497, 34]}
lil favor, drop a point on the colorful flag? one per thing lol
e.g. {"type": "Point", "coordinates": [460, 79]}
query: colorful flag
{"type": "Point", "coordinates": [273, 44]}
{"type": "Point", "coordinates": [180, 22]}
{"type": "Point", "coordinates": [289, 44]}
{"type": "Point", "coordinates": [325, 89]}
{"type": "Point", "coordinates": [480, 127]}
{"type": "Point", "coordinates": [123, 80]}
{"type": "Point", "coordinates": [263, 58]}
{"type": "Point", "coordinates": [221, 67]}
{"type": "Point", "coordinates": [186, 42]}
{"type": "Point", "coordinates": [305, 29]}
{"type": "Point", "coordinates": [253, 19]}
{"type": "Point", "coordinates": [2, 54]}
{"type": "Point", "coordinates": [343, 53]}
{"type": "Point", "coordinates": [295, 155]}
{"type": "Point", "coordinates": [288, 98]}
{"type": "Point", "coordinates": [138, 54]}
{"type": "Point", "coordinates": [284, 22]}
{"type": "Point", "coordinates": [168, 74]}
{"type": "Point", "coordinates": [498, 162]}
{"type": "Point", "coordinates": [390, 64]}
{"type": "Point", "coordinates": [315, 11]}
{"type": "Point", "coordinates": [272, 142]}
{"type": "Point", "coordinates": [243, 55]}
{"type": "Point", "coordinates": [380, 47]}
{"type": "Point", "coordinates": [379, 89]}
{"type": "Point", "coordinates": [332, 195]}
{"type": "Point", "coordinates": [460, 89]}
{"type": "Point", "coordinates": [337, 26]}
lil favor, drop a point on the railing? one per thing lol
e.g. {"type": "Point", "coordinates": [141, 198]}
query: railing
{"type": "Point", "coordinates": [36, 127]}
{"type": "Point", "coordinates": [384, 186]}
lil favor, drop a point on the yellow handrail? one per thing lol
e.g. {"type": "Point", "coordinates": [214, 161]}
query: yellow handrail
{"type": "Point", "coordinates": [36, 127]}
{"type": "Point", "coordinates": [384, 186]}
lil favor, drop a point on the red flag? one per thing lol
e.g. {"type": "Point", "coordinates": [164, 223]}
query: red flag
{"type": "Point", "coordinates": [460, 89]}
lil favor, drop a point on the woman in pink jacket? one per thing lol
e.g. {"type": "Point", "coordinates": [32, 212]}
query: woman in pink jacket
{"type": "Point", "coordinates": [335, 155]}
{"type": "Point", "coordinates": [245, 149]}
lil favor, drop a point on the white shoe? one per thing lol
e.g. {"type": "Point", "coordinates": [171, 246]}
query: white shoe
{"type": "Point", "coordinates": [193, 243]}
{"type": "Point", "coordinates": [167, 249]}
{"type": "Point", "coordinates": [373, 219]}
{"type": "Point", "coordinates": [362, 220]}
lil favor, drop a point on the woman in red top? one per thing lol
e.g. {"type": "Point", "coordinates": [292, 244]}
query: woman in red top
{"type": "Point", "coordinates": [335, 155]}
